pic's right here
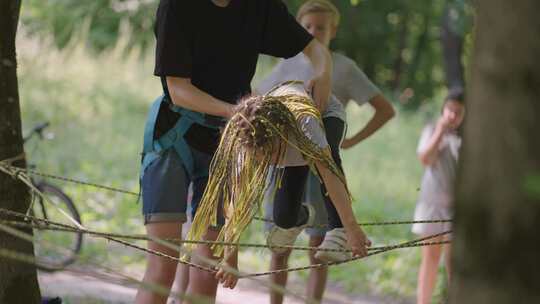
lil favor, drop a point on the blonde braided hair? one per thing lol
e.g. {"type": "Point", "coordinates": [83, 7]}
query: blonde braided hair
{"type": "Point", "coordinates": [254, 140]}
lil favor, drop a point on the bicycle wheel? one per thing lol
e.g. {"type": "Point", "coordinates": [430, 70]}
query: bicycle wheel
{"type": "Point", "coordinates": [55, 249]}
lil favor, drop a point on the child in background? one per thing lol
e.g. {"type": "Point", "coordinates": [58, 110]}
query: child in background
{"type": "Point", "coordinates": [438, 151]}
{"type": "Point", "coordinates": [321, 19]}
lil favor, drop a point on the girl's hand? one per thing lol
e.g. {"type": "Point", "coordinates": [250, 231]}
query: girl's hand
{"type": "Point", "coordinates": [357, 240]}
{"type": "Point", "coordinates": [228, 279]}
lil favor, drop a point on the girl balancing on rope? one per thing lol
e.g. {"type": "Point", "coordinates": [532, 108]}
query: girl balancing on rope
{"type": "Point", "coordinates": [278, 135]}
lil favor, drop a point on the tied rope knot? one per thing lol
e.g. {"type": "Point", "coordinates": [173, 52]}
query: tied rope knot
{"type": "Point", "coordinates": [11, 160]}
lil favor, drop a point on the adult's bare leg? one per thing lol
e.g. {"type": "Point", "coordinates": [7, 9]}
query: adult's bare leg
{"type": "Point", "coordinates": [203, 284]}
{"type": "Point", "coordinates": [159, 270]}
{"type": "Point", "coordinates": [181, 282]}
{"type": "Point", "coordinates": [181, 279]}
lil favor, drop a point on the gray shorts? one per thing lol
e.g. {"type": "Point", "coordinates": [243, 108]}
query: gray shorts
{"type": "Point", "coordinates": [312, 196]}
{"type": "Point", "coordinates": [165, 185]}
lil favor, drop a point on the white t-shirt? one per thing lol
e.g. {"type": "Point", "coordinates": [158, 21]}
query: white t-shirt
{"type": "Point", "coordinates": [309, 126]}
{"type": "Point", "coordinates": [348, 81]}
{"type": "Point", "coordinates": [438, 181]}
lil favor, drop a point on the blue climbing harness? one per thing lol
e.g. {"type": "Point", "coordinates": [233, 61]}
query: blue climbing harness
{"type": "Point", "coordinates": [174, 138]}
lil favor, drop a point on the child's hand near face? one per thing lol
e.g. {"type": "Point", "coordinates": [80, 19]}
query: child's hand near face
{"type": "Point", "coordinates": [443, 123]}
{"type": "Point", "coordinates": [228, 279]}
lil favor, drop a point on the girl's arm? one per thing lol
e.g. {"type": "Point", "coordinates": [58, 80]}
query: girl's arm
{"type": "Point", "coordinates": [188, 96]}
{"type": "Point", "coordinates": [225, 273]}
{"type": "Point", "coordinates": [383, 113]}
{"type": "Point", "coordinates": [429, 154]}
{"type": "Point", "coordinates": [339, 196]}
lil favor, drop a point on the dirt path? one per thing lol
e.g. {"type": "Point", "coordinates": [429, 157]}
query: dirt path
{"type": "Point", "coordinates": [79, 289]}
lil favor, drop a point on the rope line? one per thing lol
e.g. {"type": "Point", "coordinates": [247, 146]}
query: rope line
{"type": "Point", "coordinates": [372, 223]}
{"type": "Point", "coordinates": [16, 171]}
{"type": "Point", "coordinates": [413, 243]}
{"type": "Point", "coordinates": [11, 160]}
{"type": "Point", "coordinates": [20, 174]}
{"type": "Point", "coordinates": [108, 236]}
{"type": "Point", "coordinates": [66, 179]}
{"type": "Point", "coordinates": [212, 262]}
{"type": "Point", "coordinates": [121, 279]}
{"type": "Point", "coordinates": [55, 226]}
{"type": "Point", "coordinates": [377, 250]}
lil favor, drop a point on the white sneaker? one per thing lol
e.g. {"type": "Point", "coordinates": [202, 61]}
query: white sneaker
{"type": "Point", "coordinates": [335, 239]}
{"type": "Point", "coordinates": [286, 237]}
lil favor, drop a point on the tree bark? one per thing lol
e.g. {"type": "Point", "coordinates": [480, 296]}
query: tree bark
{"type": "Point", "coordinates": [420, 46]}
{"type": "Point", "coordinates": [18, 281]}
{"type": "Point", "coordinates": [496, 244]}
{"type": "Point", "coordinates": [452, 47]}
{"type": "Point", "coordinates": [399, 62]}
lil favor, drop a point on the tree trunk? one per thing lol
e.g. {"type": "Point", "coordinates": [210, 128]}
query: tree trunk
{"type": "Point", "coordinates": [399, 62]}
{"type": "Point", "coordinates": [420, 47]}
{"type": "Point", "coordinates": [18, 281]}
{"type": "Point", "coordinates": [452, 47]}
{"type": "Point", "coordinates": [496, 254]}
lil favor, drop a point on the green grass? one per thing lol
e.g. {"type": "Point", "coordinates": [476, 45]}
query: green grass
{"type": "Point", "coordinates": [97, 108]}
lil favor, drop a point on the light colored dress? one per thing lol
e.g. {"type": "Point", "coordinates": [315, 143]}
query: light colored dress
{"type": "Point", "coordinates": [437, 188]}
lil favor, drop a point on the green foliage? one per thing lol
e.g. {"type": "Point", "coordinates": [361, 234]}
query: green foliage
{"type": "Point", "coordinates": [532, 186]}
{"type": "Point", "coordinates": [101, 20]}
{"type": "Point", "coordinates": [97, 108]}
{"type": "Point", "coordinates": [395, 42]}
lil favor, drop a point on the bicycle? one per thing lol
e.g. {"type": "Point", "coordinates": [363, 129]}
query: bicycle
{"type": "Point", "coordinates": [51, 259]}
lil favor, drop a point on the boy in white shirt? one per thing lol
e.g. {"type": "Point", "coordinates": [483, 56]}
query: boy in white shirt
{"type": "Point", "coordinates": [321, 19]}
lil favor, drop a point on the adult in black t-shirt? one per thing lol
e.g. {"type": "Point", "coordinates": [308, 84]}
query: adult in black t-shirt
{"type": "Point", "coordinates": [206, 55]}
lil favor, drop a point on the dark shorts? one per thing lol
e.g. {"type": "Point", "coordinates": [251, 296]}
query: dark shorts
{"type": "Point", "coordinates": [165, 185]}
{"type": "Point", "coordinates": [326, 215]}
{"type": "Point", "coordinates": [311, 196]}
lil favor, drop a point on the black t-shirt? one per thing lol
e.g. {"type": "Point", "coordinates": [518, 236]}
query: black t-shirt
{"type": "Point", "coordinates": [218, 47]}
